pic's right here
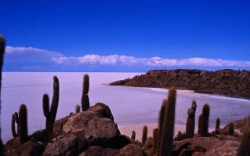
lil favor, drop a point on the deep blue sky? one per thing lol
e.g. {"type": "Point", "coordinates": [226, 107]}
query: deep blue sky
{"type": "Point", "coordinates": [176, 29]}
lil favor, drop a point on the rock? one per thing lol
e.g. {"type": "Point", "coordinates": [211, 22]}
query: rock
{"type": "Point", "coordinates": [99, 129]}
{"type": "Point", "coordinates": [227, 82]}
{"type": "Point", "coordinates": [58, 126]}
{"type": "Point", "coordinates": [28, 148]}
{"type": "Point", "coordinates": [80, 120]}
{"type": "Point", "coordinates": [216, 146]}
{"type": "Point", "coordinates": [99, 151]}
{"type": "Point", "coordinates": [68, 144]}
{"type": "Point", "coordinates": [129, 150]}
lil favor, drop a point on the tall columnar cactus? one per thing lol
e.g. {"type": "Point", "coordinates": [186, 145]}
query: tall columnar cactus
{"type": "Point", "coordinates": [190, 126]}
{"type": "Point", "coordinates": [204, 121]}
{"type": "Point", "coordinates": [244, 149]}
{"type": "Point", "coordinates": [50, 113]}
{"type": "Point", "coordinates": [155, 137]}
{"type": "Point", "coordinates": [2, 51]}
{"type": "Point", "coordinates": [217, 126]}
{"type": "Point", "coordinates": [85, 91]}
{"type": "Point", "coordinates": [166, 146]}
{"type": "Point", "coordinates": [144, 134]}
{"type": "Point", "coordinates": [14, 121]}
{"type": "Point", "coordinates": [22, 125]}
{"type": "Point", "coordinates": [133, 135]}
{"type": "Point", "coordinates": [161, 120]}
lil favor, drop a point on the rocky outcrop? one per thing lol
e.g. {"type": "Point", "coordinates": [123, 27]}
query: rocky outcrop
{"type": "Point", "coordinates": [227, 82]}
{"type": "Point", "coordinates": [94, 133]}
{"type": "Point", "coordinates": [207, 146]}
{"type": "Point", "coordinates": [91, 132]}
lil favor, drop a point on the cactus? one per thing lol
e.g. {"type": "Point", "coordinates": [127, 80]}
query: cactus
{"type": "Point", "coordinates": [77, 108]}
{"type": "Point", "coordinates": [199, 124]}
{"type": "Point", "coordinates": [85, 90]}
{"type": "Point", "coordinates": [244, 149]}
{"type": "Point", "coordinates": [231, 129]}
{"type": "Point", "coordinates": [14, 121]}
{"type": "Point", "coordinates": [133, 135]}
{"type": "Point", "coordinates": [166, 143]}
{"type": "Point", "coordinates": [144, 134]}
{"type": "Point", "coordinates": [190, 126]}
{"type": "Point", "coordinates": [204, 121]}
{"type": "Point", "coordinates": [51, 114]}
{"type": "Point", "coordinates": [217, 126]}
{"type": "Point", "coordinates": [161, 119]}
{"type": "Point", "coordinates": [155, 137]}
{"type": "Point", "coordinates": [22, 125]}
{"type": "Point", "coordinates": [2, 51]}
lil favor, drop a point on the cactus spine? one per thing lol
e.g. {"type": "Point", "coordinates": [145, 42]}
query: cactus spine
{"type": "Point", "coordinates": [85, 90]}
{"type": "Point", "coordinates": [217, 126]}
{"type": "Point", "coordinates": [144, 134]}
{"type": "Point", "coordinates": [204, 121]}
{"type": "Point", "coordinates": [77, 109]}
{"type": "Point", "coordinates": [190, 126]}
{"type": "Point", "coordinates": [14, 121]}
{"type": "Point", "coordinates": [166, 143]}
{"type": "Point", "coordinates": [50, 114]}
{"type": "Point", "coordinates": [22, 126]}
{"type": "Point", "coordinates": [155, 137]}
{"type": "Point", "coordinates": [133, 135]}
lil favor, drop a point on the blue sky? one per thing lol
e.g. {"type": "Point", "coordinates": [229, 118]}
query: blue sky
{"type": "Point", "coordinates": [125, 35]}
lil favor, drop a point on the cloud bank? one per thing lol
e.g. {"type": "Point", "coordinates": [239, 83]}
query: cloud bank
{"type": "Point", "coordinates": [153, 61]}
{"type": "Point", "coordinates": [35, 59]}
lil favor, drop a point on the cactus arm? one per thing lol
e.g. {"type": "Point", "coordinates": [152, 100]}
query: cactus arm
{"type": "Point", "coordinates": [13, 126]}
{"type": "Point", "coordinates": [55, 99]}
{"type": "Point", "coordinates": [46, 105]}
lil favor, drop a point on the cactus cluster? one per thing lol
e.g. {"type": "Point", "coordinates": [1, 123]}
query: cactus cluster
{"type": "Point", "coordinates": [50, 112]}
{"type": "Point", "coordinates": [166, 125]}
{"type": "Point", "coordinates": [204, 121]}
{"type": "Point", "coordinates": [85, 91]}
{"type": "Point", "coordinates": [22, 124]}
{"type": "Point", "coordinates": [190, 125]}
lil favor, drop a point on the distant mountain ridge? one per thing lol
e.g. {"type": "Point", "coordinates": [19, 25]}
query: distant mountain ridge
{"type": "Point", "coordinates": [227, 82]}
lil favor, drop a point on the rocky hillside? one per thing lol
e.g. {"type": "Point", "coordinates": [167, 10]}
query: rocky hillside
{"type": "Point", "coordinates": [94, 133]}
{"type": "Point", "coordinates": [227, 82]}
{"type": "Point", "coordinates": [91, 132]}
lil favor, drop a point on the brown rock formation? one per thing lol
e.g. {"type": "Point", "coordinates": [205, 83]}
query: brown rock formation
{"type": "Point", "coordinates": [92, 132]}
{"type": "Point", "coordinates": [227, 82]}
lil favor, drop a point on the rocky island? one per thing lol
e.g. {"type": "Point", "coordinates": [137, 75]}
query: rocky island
{"type": "Point", "coordinates": [226, 82]}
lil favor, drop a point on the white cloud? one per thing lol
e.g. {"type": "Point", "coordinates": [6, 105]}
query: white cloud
{"type": "Point", "coordinates": [153, 61]}
{"type": "Point", "coordinates": [25, 50]}
{"type": "Point", "coordinates": [28, 56]}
